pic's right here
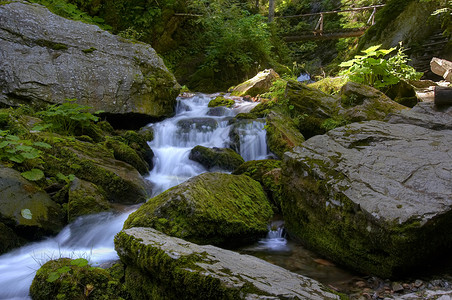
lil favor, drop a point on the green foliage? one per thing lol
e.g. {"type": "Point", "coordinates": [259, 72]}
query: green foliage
{"type": "Point", "coordinates": [17, 150]}
{"type": "Point", "coordinates": [332, 123]}
{"type": "Point", "coordinates": [67, 117]}
{"type": "Point", "coordinates": [373, 69]}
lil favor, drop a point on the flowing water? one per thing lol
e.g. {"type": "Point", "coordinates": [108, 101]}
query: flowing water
{"type": "Point", "coordinates": [91, 237]}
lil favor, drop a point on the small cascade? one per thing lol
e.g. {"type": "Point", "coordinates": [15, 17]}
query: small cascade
{"type": "Point", "coordinates": [197, 124]}
{"type": "Point", "coordinates": [275, 241]}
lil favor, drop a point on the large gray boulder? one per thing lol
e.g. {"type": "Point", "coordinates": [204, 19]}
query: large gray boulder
{"type": "Point", "coordinates": [373, 196]}
{"type": "Point", "coordinates": [26, 208]}
{"type": "Point", "coordinates": [46, 59]}
{"type": "Point", "coordinates": [163, 267]}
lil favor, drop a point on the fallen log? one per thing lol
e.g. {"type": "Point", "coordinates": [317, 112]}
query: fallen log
{"type": "Point", "coordinates": [443, 96]}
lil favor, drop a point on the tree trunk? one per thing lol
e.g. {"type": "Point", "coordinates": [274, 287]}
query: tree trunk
{"type": "Point", "coordinates": [443, 96]}
{"type": "Point", "coordinates": [271, 10]}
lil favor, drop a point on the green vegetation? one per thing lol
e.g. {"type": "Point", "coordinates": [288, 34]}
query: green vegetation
{"type": "Point", "coordinates": [373, 69]}
{"type": "Point", "coordinates": [70, 279]}
{"type": "Point", "coordinates": [221, 101]}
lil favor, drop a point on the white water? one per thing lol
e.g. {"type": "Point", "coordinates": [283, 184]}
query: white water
{"type": "Point", "coordinates": [275, 241]}
{"type": "Point", "coordinates": [92, 236]}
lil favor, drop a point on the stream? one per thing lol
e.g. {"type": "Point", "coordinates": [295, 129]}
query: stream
{"type": "Point", "coordinates": [91, 236]}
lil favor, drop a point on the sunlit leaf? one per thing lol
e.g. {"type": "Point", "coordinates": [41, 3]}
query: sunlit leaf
{"type": "Point", "coordinates": [33, 174]}
{"type": "Point", "coordinates": [26, 213]}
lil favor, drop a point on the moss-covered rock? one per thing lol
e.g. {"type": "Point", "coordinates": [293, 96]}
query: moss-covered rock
{"type": "Point", "coordinates": [163, 267]}
{"type": "Point", "coordinates": [329, 85]}
{"type": "Point", "coordinates": [123, 152]}
{"type": "Point", "coordinates": [68, 279]}
{"type": "Point", "coordinates": [26, 208]}
{"type": "Point", "coordinates": [212, 208]}
{"type": "Point", "coordinates": [221, 101]}
{"type": "Point", "coordinates": [364, 103]}
{"type": "Point", "coordinates": [268, 173]}
{"type": "Point", "coordinates": [259, 84]}
{"type": "Point", "coordinates": [365, 196]}
{"type": "Point", "coordinates": [211, 158]}
{"type": "Point", "coordinates": [282, 133]}
{"type": "Point", "coordinates": [310, 107]}
{"type": "Point", "coordinates": [138, 140]}
{"type": "Point", "coordinates": [85, 198]}
{"type": "Point", "coordinates": [263, 108]}
{"type": "Point", "coordinates": [94, 163]}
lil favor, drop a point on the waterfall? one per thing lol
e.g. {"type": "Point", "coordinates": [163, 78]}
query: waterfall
{"type": "Point", "coordinates": [92, 236]}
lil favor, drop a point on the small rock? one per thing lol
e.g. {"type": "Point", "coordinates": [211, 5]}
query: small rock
{"type": "Point", "coordinates": [418, 283]}
{"type": "Point", "coordinates": [397, 287]}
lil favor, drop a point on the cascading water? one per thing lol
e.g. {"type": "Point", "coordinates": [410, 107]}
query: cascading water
{"type": "Point", "coordinates": [92, 236]}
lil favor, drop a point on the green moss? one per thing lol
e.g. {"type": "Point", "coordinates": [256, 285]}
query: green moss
{"type": "Point", "coordinates": [76, 282]}
{"type": "Point", "coordinates": [212, 208]}
{"type": "Point", "coordinates": [89, 50]}
{"type": "Point", "coordinates": [52, 45]}
{"type": "Point", "coordinates": [221, 101]}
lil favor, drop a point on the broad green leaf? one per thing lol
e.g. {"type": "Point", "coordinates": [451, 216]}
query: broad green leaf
{"type": "Point", "coordinates": [31, 154]}
{"type": "Point", "coordinates": [33, 174]}
{"type": "Point", "coordinates": [347, 63]}
{"type": "Point", "coordinates": [25, 148]}
{"type": "Point", "coordinates": [4, 144]}
{"type": "Point", "coordinates": [64, 269]}
{"type": "Point", "coordinates": [26, 213]}
{"type": "Point", "coordinates": [16, 158]}
{"type": "Point", "coordinates": [53, 277]}
{"type": "Point", "coordinates": [12, 137]}
{"type": "Point", "coordinates": [372, 49]}
{"type": "Point", "coordinates": [80, 262]}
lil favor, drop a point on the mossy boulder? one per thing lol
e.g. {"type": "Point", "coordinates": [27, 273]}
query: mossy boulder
{"type": "Point", "coordinates": [366, 196]}
{"type": "Point", "coordinates": [282, 133]}
{"type": "Point", "coordinates": [221, 101]}
{"type": "Point", "coordinates": [93, 163]}
{"type": "Point", "coordinates": [310, 107]}
{"type": "Point", "coordinates": [26, 208]}
{"type": "Point", "coordinates": [164, 267]}
{"type": "Point", "coordinates": [329, 85]}
{"type": "Point", "coordinates": [259, 84]}
{"type": "Point", "coordinates": [85, 198]}
{"type": "Point", "coordinates": [123, 152]}
{"type": "Point", "coordinates": [268, 173]}
{"type": "Point", "coordinates": [212, 208]}
{"type": "Point", "coordinates": [69, 279]}
{"type": "Point", "coordinates": [216, 158]}
{"type": "Point", "coordinates": [364, 103]}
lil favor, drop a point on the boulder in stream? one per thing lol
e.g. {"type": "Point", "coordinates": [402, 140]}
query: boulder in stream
{"type": "Point", "coordinates": [220, 158]}
{"type": "Point", "coordinates": [373, 196]}
{"type": "Point", "coordinates": [163, 267]}
{"type": "Point", "coordinates": [259, 84]}
{"type": "Point", "coordinates": [211, 208]}
{"type": "Point", "coordinates": [47, 59]}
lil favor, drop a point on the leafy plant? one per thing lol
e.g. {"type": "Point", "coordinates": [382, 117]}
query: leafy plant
{"type": "Point", "coordinates": [67, 117]}
{"type": "Point", "coordinates": [373, 69]}
{"type": "Point", "coordinates": [17, 150]}
{"type": "Point", "coordinates": [79, 262]}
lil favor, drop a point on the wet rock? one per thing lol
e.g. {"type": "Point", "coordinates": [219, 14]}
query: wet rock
{"type": "Point", "coordinates": [216, 158]}
{"type": "Point", "coordinates": [176, 269]}
{"type": "Point", "coordinates": [217, 111]}
{"type": "Point", "coordinates": [442, 68]}
{"type": "Point", "coordinates": [199, 124]}
{"type": "Point", "coordinates": [123, 152]}
{"type": "Point", "coordinates": [367, 195]}
{"type": "Point", "coordinates": [26, 208]}
{"type": "Point", "coordinates": [47, 59]}
{"type": "Point", "coordinates": [259, 84]}
{"type": "Point", "coordinates": [8, 239]}
{"type": "Point", "coordinates": [221, 101]}
{"type": "Point", "coordinates": [85, 198]}
{"type": "Point", "coordinates": [211, 208]}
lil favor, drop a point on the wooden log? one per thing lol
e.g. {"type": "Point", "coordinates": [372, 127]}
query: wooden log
{"type": "Point", "coordinates": [443, 96]}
